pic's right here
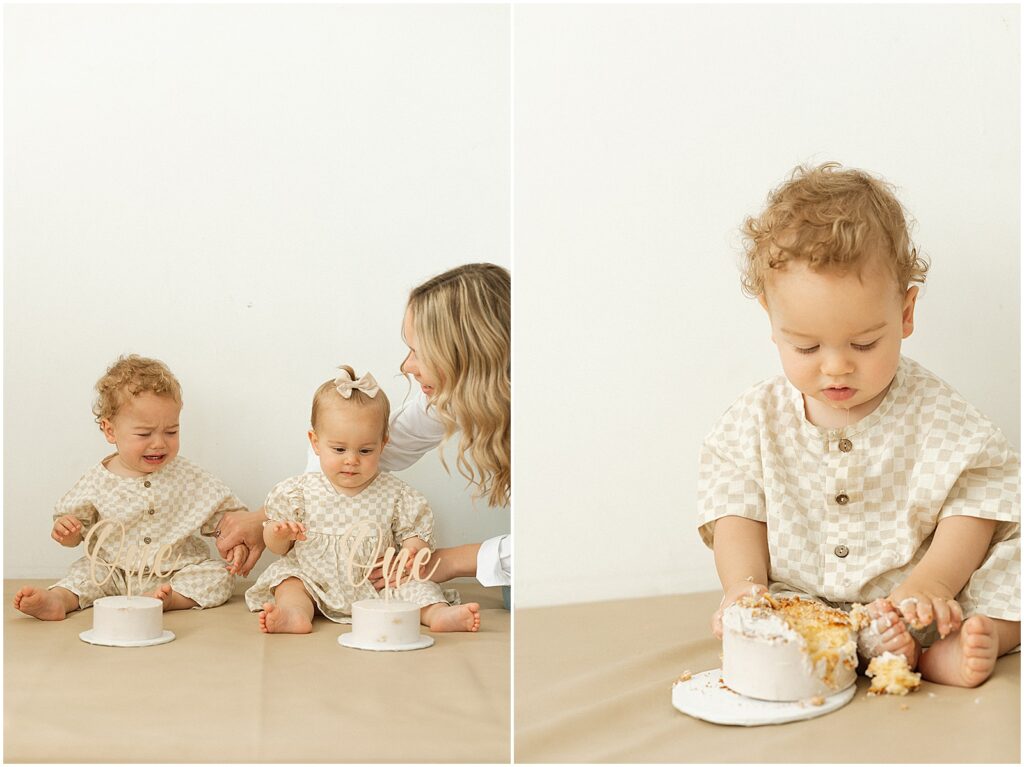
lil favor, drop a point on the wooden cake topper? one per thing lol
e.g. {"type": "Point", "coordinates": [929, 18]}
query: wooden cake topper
{"type": "Point", "coordinates": [393, 563]}
{"type": "Point", "coordinates": [130, 559]}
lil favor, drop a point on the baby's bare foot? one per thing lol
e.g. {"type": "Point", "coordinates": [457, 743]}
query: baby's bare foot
{"type": "Point", "coordinates": [456, 618]}
{"type": "Point", "coordinates": [43, 604]}
{"type": "Point", "coordinates": [164, 593]}
{"type": "Point", "coordinates": [887, 633]}
{"type": "Point", "coordinates": [965, 658]}
{"type": "Point", "coordinates": [280, 620]}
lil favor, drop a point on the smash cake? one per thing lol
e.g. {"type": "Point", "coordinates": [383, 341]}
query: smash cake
{"type": "Point", "coordinates": [127, 622]}
{"type": "Point", "coordinates": [787, 648]}
{"type": "Point", "coordinates": [383, 624]}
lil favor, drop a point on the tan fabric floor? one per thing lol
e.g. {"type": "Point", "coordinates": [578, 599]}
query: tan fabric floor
{"type": "Point", "coordinates": [593, 684]}
{"type": "Point", "coordinates": [224, 692]}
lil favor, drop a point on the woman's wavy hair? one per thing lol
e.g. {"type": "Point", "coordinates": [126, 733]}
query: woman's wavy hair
{"type": "Point", "coordinates": [128, 377]}
{"type": "Point", "coordinates": [462, 320]}
{"type": "Point", "coordinates": [831, 218]}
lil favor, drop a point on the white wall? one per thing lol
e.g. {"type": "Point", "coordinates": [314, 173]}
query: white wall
{"type": "Point", "coordinates": [248, 193]}
{"type": "Point", "coordinates": [644, 135]}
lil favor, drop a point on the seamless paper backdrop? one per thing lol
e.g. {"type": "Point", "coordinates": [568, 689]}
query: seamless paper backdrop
{"type": "Point", "coordinates": [248, 193]}
{"type": "Point", "coordinates": [644, 136]}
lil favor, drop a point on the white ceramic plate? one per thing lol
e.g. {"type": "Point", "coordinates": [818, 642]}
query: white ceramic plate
{"type": "Point", "coordinates": [346, 640]}
{"type": "Point", "coordinates": [704, 697]}
{"type": "Point", "coordinates": [87, 636]}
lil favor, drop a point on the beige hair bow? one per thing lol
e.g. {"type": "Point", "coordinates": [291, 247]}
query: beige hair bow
{"type": "Point", "coordinates": [366, 383]}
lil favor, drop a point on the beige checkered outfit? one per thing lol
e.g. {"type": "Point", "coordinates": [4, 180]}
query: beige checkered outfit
{"type": "Point", "coordinates": [321, 561]}
{"type": "Point", "coordinates": [850, 512]}
{"type": "Point", "coordinates": [173, 506]}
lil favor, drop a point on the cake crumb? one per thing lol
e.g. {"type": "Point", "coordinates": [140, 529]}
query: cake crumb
{"type": "Point", "coordinates": [891, 675]}
{"type": "Point", "coordinates": [977, 700]}
{"type": "Point", "coordinates": [859, 618]}
{"type": "Point", "coordinates": [686, 676]}
{"type": "Point", "coordinates": [932, 695]}
{"type": "Point", "coordinates": [904, 707]}
{"type": "Point", "coordinates": [817, 700]}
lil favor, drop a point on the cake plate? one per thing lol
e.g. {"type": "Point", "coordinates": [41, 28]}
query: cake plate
{"type": "Point", "coordinates": [164, 638]}
{"type": "Point", "coordinates": [705, 697]}
{"type": "Point", "coordinates": [346, 640]}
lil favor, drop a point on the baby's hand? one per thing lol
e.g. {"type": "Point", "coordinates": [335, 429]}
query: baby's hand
{"type": "Point", "coordinates": [920, 604]}
{"type": "Point", "coordinates": [236, 558]}
{"type": "Point", "coordinates": [290, 531]}
{"type": "Point", "coordinates": [734, 592]}
{"type": "Point", "coordinates": [66, 530]}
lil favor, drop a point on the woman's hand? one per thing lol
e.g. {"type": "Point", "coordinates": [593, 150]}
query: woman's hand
{"type": "Point", "coordinates": [241, 527]}
{"type": "Point", "coordinates": [733, 593]}
{"type": "Point", "coordinates": [454, 562]}
{"type": "Point", "coordinates": [922, 603]}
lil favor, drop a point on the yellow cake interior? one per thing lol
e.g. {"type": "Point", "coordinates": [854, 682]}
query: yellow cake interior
{"type": "Point", "coordinates": [827, 632]}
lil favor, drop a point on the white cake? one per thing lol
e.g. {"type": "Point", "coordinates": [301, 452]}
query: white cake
{"type": "Point", "coordinates": [385, 624]}
{"type": "Point", "coordinates": [787, 649]}
{"type": "Point", "coordinates": [127, 619]}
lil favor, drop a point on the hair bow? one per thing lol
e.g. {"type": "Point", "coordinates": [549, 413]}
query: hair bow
{"type": "Point", "coordinates": [366, 383]}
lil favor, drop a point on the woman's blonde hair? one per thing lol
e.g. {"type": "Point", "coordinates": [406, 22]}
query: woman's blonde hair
{"type": "Point", "coordinates": [328, 394]}
{"type": "Point", "coordinates": [130, 376]}
{"type": "Point", "coordinates": [462, 320]}
{"type": "Point", "coordinates": [830, 217]}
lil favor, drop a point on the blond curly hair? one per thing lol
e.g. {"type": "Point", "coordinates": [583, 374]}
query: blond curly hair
{"type": "Point", "coordinates": [128, 377]}
{"type": "Point", "coordinates": [462, 320]}
{"type": "Point", "coordinates": [830, 217]}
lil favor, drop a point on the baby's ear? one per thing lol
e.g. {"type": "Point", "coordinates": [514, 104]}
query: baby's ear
{"type": "Point", "coordinates": [108, 430]}
{"type": "Point", "coordinates": [909, 302]}
{"type": "Point", "coordinates": [313, 441]}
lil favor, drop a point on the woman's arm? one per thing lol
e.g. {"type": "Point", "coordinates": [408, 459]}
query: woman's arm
{"type": "Point", "coordinates": [413, 432]}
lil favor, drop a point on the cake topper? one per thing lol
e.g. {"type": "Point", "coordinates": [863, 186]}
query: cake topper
{"type": "Point", "coordinates": [133, 560]}
{"type": "Point", "coordinates": [393, 563]}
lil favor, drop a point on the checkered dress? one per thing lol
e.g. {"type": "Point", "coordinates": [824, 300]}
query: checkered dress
{"type": "Point", "coordinates": [321, 561]}
{"type": "Point", "coordinates": [850, 512]}
{"type": "Point", "coordinates": [174, 505]}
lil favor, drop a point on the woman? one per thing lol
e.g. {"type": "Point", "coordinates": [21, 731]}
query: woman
{"type": "Point", "coordinates": [458, 330]}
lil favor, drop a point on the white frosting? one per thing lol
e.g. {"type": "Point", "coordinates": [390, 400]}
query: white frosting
{"type": "Point", "coordinates": [763, 658]}
{"type": "Point", "coordinates": [127, 619]}
{"type": "Point", "coordinates": [385, 623]}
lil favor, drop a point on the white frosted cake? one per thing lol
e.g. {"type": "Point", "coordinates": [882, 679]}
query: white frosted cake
{"type": "Point", "coordinates": [127, 619]}
{"type": "Point", "coordinates": [787, 649]}
{"type": "Point", "coordinates": [384, 624]}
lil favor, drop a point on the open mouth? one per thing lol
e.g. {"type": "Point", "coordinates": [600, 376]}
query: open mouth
{"type": "Point", "coordinates": [839, 393]}
{"type": "Point", "coordinates": [153, 458]}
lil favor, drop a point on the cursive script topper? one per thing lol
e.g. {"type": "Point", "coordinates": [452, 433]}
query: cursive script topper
{"type": "Point", "coordinates": [393, 564]}
{"type": "Point", "coordinates": [130, 559]}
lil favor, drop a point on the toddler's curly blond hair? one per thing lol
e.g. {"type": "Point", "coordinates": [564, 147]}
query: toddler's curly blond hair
{"type": "Point", "coordinates": [130, 376]}
{"type": "Point", "coordinates": [831, 218]}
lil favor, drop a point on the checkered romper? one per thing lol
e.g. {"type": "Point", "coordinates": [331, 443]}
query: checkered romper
{"type": "Point", "coordinates": [173, 505]}
{"type": "Point", "coordinates": [321, 561]}
{"type": "Point", "coordinates": [850, 512]}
